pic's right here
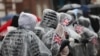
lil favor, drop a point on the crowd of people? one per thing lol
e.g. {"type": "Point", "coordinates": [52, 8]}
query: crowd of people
{"type": "Point", "coordinates": [74, 33]}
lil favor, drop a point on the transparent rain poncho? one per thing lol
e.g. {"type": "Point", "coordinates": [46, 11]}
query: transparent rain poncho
{"type": "Point", "coordinates": [50, 19]}
{"type": "Point", "coordinates": [88, 49]}
{"type": "Point", "coordinates": [39, 31]}
{"type": "Point", "coordinates": [49, 41]}
{"type": "Point", "coordinates": [88, 36]}
{"type": "Point", "coordinates": [66, 21]}
{"type": "Point", "coordinates": [49, 23]}
{"type": "Point", "coordinates": [85, 22]}
{"type": "Point", "coordinates": [73, 35]}
{"type": "Point", "coordinates": [23, 41]}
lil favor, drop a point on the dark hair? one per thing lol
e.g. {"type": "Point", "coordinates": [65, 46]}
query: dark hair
{"type": "Point", "coordinates": [15, 21]}
{"type": "Point", "coordinates": [63, 45]}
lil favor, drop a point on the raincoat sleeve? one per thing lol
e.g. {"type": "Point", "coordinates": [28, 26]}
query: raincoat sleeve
{"type": "Point", "coordinates": [39, 31]}
{"type": "Point", "coordinates": [49, 42]}
{"type": "Point", "coordinates": [92, 36]}
{"type": "Point", "coordinates": [44, 51]}
{"type": "Point", "coordinates": [47, 38]}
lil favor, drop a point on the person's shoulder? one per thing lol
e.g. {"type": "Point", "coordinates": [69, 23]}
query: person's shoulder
{"type": "Point", "coordinates": [30, 32]}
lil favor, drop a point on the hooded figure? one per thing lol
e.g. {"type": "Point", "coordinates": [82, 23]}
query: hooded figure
{"type": "Point", "coordinates": [89, 37]}
{"type": "Point", "coordinates": [67, 21]}
{"type": "Point", "coordinates": [85, 33]}
{"type": "Point", "coordinates": [23, 41]}
{"type": "Point", "coordinates": [74, 37]}
{"type": "Point", "coordinates": [50, 24]}
{"type": "Point", "coordinates": [25, 23]}
{"type": "Point", "coordinates": [50, 19]}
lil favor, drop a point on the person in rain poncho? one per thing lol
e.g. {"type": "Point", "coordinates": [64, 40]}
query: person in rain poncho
{"type": "Point", "coordinates": [23, 41]}
{"type": "Point", "coordinates": [54, 37]}
{"type": "Point", "coordinates": [51, 38]}
{"type": "Point", "coordinates": [89, 37]}
{"type": "Point", "coordinates": [47, 23]}
{"type": "Point", "coordinates": [67, 21]}
{"type": "Point", "coordinates": [94, 20]}
{"type": "Point", "coordinates": [37, 30]}
{"type": "Point", "coordinates": [83, 31]}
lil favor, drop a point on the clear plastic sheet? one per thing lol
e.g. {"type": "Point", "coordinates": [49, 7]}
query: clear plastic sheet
{"type": "Point", "coordinates": [23, 43]}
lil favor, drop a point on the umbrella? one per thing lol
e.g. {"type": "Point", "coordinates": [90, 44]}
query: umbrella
{"type": "Point", "coordinates": [69, 6]}
{"type": "Point", "coordinates": [93, 5]}
{"type": "Point", "coordinates": [95, 8]}
{"type": "Point", "coordinates": [6, 18]}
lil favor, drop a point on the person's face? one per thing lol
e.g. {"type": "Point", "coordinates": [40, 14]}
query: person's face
{"type": "Point", "coordinates": [66, 19]}
{"type": "Point", "coordinates": [65, 22]}
{"type": "Point", "coordinates": [65, 51]}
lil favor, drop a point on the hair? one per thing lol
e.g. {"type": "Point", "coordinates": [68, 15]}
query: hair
{"type": "Point", "coordinates": [15, 21]}
{"type": "Point", "coordinates": [63, 45]}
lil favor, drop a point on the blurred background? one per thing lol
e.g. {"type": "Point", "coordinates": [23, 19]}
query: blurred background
{"type": "Point", "coordinates": [11, 7]}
